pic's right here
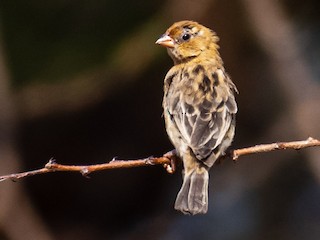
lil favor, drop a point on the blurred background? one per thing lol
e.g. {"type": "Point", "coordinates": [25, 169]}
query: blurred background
{"type": "Point", "coordinates": [81, 81]}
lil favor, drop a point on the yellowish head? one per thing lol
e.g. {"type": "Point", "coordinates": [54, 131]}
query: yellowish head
{"type": "Point", "coordinates": [186, 40]}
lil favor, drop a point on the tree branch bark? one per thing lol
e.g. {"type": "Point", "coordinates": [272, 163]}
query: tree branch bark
{"type": "Point", "coordinates": [310, 142]}
{"type": "Point", "coordinates": [167, 160]}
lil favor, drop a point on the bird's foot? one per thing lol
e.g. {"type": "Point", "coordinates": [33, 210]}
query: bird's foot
{"type": "Point", "coordinates": [174, 160]}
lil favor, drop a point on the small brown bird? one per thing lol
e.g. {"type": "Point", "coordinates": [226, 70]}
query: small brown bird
{"type": "Point", "coordinates": [199, 108]}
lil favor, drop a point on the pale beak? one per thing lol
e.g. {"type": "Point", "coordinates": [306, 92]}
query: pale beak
{"type": "Point", "coordinates": [165, 41]}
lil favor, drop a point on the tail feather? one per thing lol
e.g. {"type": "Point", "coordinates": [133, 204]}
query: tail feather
{"type": "Point", "coordinates": [193, 195]}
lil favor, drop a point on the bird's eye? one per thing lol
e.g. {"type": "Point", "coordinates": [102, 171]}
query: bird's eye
{"type": "Point", "coordinates": [186, 36]}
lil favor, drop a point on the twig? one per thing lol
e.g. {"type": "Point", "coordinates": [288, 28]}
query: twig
{"type": "Point", "coordinates": [166, 160]}
{"type": "Point", "coordinates": [85, 170]}
{"type": "Point", "coordinates": [310, 142]}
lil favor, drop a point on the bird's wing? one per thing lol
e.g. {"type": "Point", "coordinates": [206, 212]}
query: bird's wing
{"type": "Point", "coordinates": [204, 116]}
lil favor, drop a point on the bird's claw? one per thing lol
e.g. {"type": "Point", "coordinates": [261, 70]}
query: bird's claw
{"type": "Point", "coordinates": [174, 159]}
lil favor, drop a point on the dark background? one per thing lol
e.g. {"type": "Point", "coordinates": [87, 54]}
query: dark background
{"type": "Point", "coordinates": [82, 82]}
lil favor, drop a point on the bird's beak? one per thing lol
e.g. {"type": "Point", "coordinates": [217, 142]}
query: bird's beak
{"type": "Point", "coordinates": [165, 41]}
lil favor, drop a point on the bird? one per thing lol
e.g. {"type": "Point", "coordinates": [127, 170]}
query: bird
{"type": "Point", "coordinates": [199, 108]}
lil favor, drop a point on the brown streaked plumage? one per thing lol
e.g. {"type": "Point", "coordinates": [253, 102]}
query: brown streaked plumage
{"type": "Point", "coordinates": [199, 108]}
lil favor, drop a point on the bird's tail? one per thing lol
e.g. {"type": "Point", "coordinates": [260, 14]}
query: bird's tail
{"type": "Point", "coordinates": [193, 195]}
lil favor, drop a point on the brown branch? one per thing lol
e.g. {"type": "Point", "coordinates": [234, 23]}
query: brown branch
{"type": "Point", "coordinates": [168, 160]}
{"type": "Point", "coordinates": [310, 142]}
{"type": "Point", "coordinates": [85, 170]}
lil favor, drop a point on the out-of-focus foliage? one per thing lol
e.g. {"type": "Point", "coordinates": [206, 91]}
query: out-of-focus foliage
{"type": "Point", "coordinates": [47, 41]}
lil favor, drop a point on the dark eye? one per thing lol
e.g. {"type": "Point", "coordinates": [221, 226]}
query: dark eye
{"type": "Point", "coordinates": [186, 36]}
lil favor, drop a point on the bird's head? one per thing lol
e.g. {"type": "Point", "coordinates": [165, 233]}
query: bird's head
{"type": "Point", "coordinates": [187, 40]}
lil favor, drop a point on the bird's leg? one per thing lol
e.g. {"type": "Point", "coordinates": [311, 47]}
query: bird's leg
{"type": "Point", "coordinates": [174, 160]}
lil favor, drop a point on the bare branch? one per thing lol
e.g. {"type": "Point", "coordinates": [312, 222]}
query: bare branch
{"type": "Point", "coordinates": [310, 142]}
{"type": "Point", "coordinates": [167, 160]}
{"type": "Point", "coordinates": [85, 170]}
